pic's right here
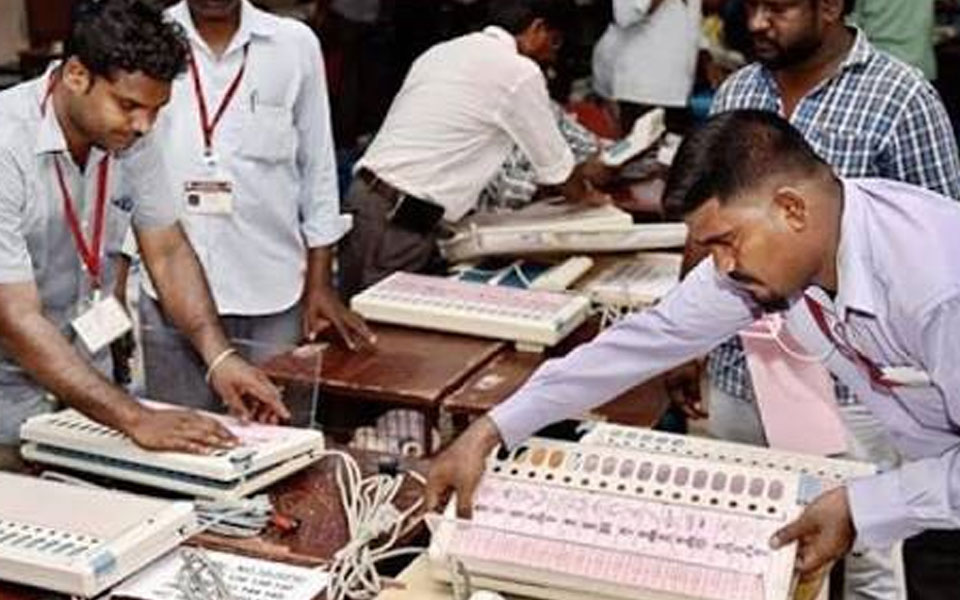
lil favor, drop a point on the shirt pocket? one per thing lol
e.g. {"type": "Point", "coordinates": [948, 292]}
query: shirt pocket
{"type": "Point", "coordinates": [117, 222]}
{"type": "Point", "coordinates": [851, 153]}
{"type": "Point", "coordinates": [268, 135]}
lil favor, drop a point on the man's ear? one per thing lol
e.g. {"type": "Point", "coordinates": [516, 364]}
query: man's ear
{"type": "Point", "coordinates": [538, 26]}
{"type": "Point", "coordinates": [76, 76]}
{"type": "Point", "coordinates": [792, 207]}
{"type": "Point", "coordinates": [831, 11]}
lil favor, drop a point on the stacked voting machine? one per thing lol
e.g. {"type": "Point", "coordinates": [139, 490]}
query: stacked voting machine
{"type": "Point", "coordinates": [266, 454]}
{"type": "Point", "coordinates": [532, 318]}
{"type": "Point", "coordinates": [557, 227]}
{"type": "Point", "coordinates": [81, 541]}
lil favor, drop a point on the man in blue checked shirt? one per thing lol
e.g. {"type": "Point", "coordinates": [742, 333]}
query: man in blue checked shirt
{"type": "Point", "coordinates": [865, 272]}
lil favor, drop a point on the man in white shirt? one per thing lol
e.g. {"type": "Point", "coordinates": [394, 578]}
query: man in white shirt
{"type": "Point", "coordinates": [647, 58]}
{"type": "Point", "coordinates": [77, 169]}
{"type": "Point", "coordinates": [864, 272]}
{"type": "Point", "coordinates": [247, 136]}
{"type": "Point", "coordinates": [462, 108]}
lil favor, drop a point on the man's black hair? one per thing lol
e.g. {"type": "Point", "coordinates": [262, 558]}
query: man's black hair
{"type": "Point", "coordinates": [733, 152]}
{"type": "Point", "coordinates": [517, 15]}
{"type": "Point", "coordinates": [126, 35]}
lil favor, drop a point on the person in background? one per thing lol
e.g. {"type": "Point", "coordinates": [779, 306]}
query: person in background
{"type": "Point", "coordinates": [251, 154]}
{"type": "Point", "coordinates": [904, 29]}
{"type": "Point", "coordinates": [354, 30]}
{"type": "Point", "coordinates": [515, 184]}
{"type": "Point", "coordinates": [78, 166]}
{"type": "Point", "coordinates": [464, 104]}
{"type": "Point", "coordinates": [647, 58]}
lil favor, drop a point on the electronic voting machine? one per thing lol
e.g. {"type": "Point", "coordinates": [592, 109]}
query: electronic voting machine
{"type": "Point", "coordinates": [266, 454]}
{"type": "Point", "coordinates": [817, 474]}
{"type": "Point", "coordinates": [560, 521]}
{"type": "Point", "coordinates": [81, 541]}
{"type": "Point", "coordinates": [532, 318]}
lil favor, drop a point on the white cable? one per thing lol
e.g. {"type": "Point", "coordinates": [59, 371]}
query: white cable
{"type": "Point", "coordinates": [371, 516]}
{"type": "Point", "coordinates": [241, 518]}
{"type": "Point", "coordinates": [776, 326]}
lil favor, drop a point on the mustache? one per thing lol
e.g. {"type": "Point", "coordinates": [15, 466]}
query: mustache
{"type": "Point", "coordinates": [742, 277]}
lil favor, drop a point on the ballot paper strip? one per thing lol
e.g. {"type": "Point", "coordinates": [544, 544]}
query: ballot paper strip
{"type": "Point", "coordinates": [245, 578]}
{"type": "Point", "coordinates": [558, 520]}
{"type": "Point", "coordinates": [265, 454]}
{"type": "Point", "coordinates": [529, 316]}
{"type": "Point", "coordinates": [817, 474]}
{"type": "Point", "coordinates": [78, 540]}
{"type": "Point", "coordinates": [635, 282]}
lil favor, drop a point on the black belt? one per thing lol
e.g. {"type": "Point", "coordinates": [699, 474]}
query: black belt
{"type": "Point", "coordinates": [409, 212]}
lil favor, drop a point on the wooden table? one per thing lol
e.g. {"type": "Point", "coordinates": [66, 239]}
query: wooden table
{"type": "Point", "coordinates": [410, 368]}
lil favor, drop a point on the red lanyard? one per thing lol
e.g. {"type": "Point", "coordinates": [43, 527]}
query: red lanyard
{"type": "Point", "coordinates": [90, 253]}
{"type": "Point", "coordinates": [206, 125]}
{"type": "Point", "coordinates": [852, 354]}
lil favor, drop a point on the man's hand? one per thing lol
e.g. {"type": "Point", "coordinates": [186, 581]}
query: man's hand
{"type": "Point", "coordinates": [322, 306]}
{"type": "Point", "coordinates": [247, 392]}
{"type": "Point", "coordinates": [683, 389]}
{"type": "Point", "coordinates": [592, 196]}
{"type": "Point", "coordinates": [580, 188]}
{"type": "Point", "coordinates": [824, 530]}
{"type": "Point", "coordinates": [460, 467]}
{"type": "Point", "coordinates": [178, 431]}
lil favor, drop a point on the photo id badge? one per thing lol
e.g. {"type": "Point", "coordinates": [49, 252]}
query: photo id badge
{"type": "Point", "coordinates": [209, 197]}
{"type": "Point", "coordinates": [102, 323]}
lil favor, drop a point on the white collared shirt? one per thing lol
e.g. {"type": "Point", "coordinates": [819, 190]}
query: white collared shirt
{"type": "Point", "coordinates": [462, 107]}
{"type": "Point", "coordinates": [274, 143]}
{"type": "Point", "coordinates": [649, 57]}
{"type": "Point", "coordinates": [36, 244]}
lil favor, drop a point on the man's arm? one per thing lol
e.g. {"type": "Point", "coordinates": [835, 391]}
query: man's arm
{"type": "Point", "coordinates": [44, 353]}
{"type": "Point", "coordinates": [322, 302]}
{"type": "Point", "coordinates": [322, 224]}
{"type": "Point", "coordinates": [185, 297]}
{"type": "Point", "coordinates": [527, 118]}
{"type": "Point", "coordinates": [922, 494]}
{"type": "Point", "coordinates": [694, 317]}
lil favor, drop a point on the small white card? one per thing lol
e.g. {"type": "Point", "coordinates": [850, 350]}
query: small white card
{"type": "Point", "coordinates": [246, 578]}
{"type": "Point", "coordinates": [104, 322]}
{"type": "Point", "coordinates": [209, 197]}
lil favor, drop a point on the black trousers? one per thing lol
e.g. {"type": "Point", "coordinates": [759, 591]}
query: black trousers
{"type": "Point", "coordinates": [932, 564]}
{"type": "Point", "coordinates": [376, 247]}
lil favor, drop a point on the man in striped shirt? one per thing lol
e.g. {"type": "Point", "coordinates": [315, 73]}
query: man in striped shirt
{"type": "Point", "coordinates": [868, 115]}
